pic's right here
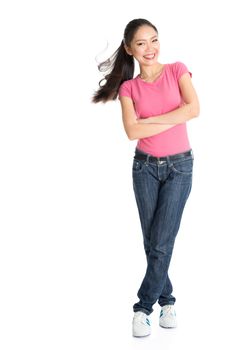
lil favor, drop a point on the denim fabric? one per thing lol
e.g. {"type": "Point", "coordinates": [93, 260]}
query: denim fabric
{"type": "Point", "coordinates": [161, 190]}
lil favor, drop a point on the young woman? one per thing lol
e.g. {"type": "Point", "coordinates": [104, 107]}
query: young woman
{"type": "Point", "coordinates": [156, 105]}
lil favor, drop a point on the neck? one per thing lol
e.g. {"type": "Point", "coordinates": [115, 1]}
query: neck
{"type": "Point", "coordinates": [150, 72]}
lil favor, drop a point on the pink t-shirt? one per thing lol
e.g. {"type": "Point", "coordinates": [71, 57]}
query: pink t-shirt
{"type": "Point", "coordinates": [156, 98]}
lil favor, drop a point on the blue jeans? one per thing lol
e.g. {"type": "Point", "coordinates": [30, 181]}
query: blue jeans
{"type": "Point", "coordinates": [161, 190]}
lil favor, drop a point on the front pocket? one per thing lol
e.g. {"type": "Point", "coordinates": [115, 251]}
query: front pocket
{"type": "Point", "coordinates": [137, 165]}
{"type": "Point", "coordinates": [184, 167]}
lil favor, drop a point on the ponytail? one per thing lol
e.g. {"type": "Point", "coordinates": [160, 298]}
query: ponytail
{"type": "Point", "coordinates": [119, 67]}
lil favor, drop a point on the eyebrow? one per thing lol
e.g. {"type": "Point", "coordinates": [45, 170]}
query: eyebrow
{"type": "Point", "coordinates": [155, 36]}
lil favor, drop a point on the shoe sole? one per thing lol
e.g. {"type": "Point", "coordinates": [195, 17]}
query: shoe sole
{"type": "Point", "coordinates": [168, 327]}
{"type": "Point", "coordinates": [140, 336]}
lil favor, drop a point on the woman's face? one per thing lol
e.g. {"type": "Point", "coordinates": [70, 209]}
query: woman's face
{"type": "Point", "coordinates": [145, 46]}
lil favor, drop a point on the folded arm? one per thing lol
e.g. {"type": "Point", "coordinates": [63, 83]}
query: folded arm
{"type": "Point", "coordinates": [188, 111]}
{"type": "Point", "coordinates": [133, 128]}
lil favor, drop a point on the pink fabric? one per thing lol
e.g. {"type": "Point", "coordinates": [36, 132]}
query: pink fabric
{"type": "Point", "coordinates": [159, 97]}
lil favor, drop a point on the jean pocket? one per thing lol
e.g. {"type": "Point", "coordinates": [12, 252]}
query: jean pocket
{"type": "Point", "coordinates": [183, 167]}
{"type": "Point", "coordinates": [137, 166]}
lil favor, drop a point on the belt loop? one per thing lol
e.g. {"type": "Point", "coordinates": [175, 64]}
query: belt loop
{"type": "Point", "coordinates": [147, 159]}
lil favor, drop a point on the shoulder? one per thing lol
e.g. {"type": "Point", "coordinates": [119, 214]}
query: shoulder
{"type": "Point", "coordinates": [126, 87]}
{"type": "Point", "coordinates": [179, 68]}
{"type": "Point", "coordinates": [129, 82]}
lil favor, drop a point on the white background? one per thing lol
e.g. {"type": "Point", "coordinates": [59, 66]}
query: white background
{"type": "Point", "coordinates": [71, 252]}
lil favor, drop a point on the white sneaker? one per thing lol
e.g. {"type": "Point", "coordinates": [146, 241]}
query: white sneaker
{"type": "Point", "coordinates": [140, 324]}
{"type": "Point", "coordinates": [167, 317]}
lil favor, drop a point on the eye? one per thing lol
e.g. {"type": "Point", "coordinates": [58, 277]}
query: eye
{"type": "Point", "coordinates": [139, 44]}
{"type": "Point", "coordinates": [155, 40]}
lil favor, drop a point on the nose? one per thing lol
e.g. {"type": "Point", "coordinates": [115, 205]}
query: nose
{"type": "Point", "coordinates": [149, 46]}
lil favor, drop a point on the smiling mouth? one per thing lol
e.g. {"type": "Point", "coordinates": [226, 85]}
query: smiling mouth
{"type": "Point", "coordinates": [149, 56]}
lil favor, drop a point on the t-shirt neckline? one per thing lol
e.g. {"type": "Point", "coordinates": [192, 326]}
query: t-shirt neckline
{"type": "Point", "coordinates": [157, 79]}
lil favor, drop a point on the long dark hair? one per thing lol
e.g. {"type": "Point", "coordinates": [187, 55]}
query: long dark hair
{"type": "Point", "coordinates": [120, 66]}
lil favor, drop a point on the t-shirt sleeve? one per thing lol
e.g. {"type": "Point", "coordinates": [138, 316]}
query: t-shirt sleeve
{"type": "Point", "coordinates": [125, 89]}
{"type": "Point", "coordinates": [180, 69]}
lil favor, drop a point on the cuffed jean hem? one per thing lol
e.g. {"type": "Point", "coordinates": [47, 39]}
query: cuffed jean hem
{"type": "Point", "coordinates": [163, 304]}
{"type": "Point", "coordinates": [147, 312]}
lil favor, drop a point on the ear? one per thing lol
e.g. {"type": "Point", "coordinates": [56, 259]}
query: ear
{"type": "Point", "coordinates": [128, 50]}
